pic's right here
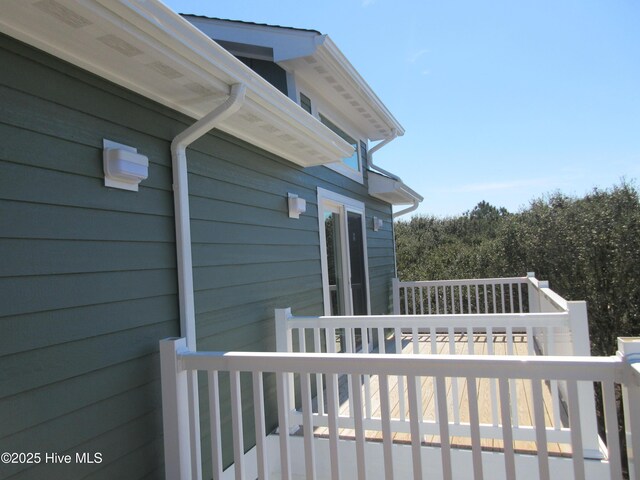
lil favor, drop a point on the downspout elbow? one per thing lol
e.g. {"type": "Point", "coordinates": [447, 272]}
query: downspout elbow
{"type": "Point", "coordinates": [378, 146]}
{"type": "Point", "coordinates": [416, 204]}
{"type": "Point", "coordinates": [181, 204]}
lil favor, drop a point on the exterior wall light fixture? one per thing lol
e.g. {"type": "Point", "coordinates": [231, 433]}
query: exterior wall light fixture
{"type": "Point", "coordinates": [377, 224]}
{"type": "Point", "coordinates": [123, 166]}
{"type": "Point", "coordinates": [297, 205]}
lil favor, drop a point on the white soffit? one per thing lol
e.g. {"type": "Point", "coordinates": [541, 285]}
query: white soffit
{"type": "Point", "coordinates": [391, 191]}
{"type": "Point", "coordinates": [339, 83]}
{"type": "Point", "coordinates": [149, 49]}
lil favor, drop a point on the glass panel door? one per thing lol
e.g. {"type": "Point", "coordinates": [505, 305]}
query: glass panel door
{"type": "Point", "coordinates": [335, 270]}
{"type": "Point", "coordinates": [344, 255]}
{"type": "Point", "coordinates": [357, 264]}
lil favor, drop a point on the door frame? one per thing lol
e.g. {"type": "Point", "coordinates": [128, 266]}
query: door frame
{"type": "Point", "coordinates": [327, 198]}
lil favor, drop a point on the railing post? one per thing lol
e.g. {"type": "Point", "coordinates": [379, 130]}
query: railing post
{"type": "Point", "coordinates": [284, 343]}
{"type": "Point", "coordinates": [175, 410]}
{"type": "Point", "coordinates": [629, 349]}
{"type": "Point", "coordinates": [579, 337]}
{"type": "Point", "coordinates": [395, 286]}
{"type": "Point", "coordinates": [533, 293]}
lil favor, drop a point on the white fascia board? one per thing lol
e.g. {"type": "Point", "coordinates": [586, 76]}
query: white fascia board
{"type": "Point", "coordinates": [331, 55]}
{"type": "Point", "coordinates": [165, 35]}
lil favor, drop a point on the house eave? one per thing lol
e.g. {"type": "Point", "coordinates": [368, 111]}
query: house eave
{"type": "Point", "coordinates": [392, 191]}
{"type": "Point", "coordinates": [149, 49]}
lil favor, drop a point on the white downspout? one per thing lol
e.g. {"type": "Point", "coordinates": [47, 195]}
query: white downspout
{"type": "Point", "coordinates": [183, 246]}
{"type": "Point", "coordinates": [375, 148]}
{"type": "Point", "coordinates": [416, 204]}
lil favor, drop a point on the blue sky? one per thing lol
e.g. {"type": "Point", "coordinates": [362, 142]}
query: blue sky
{"type": "Point", "coordinates": [502, 101]}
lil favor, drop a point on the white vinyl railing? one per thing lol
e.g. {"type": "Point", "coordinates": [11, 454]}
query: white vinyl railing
{"type": "Point", "coordinates": [468, 334]}
{"type": "Point", "coordinates": [177, 362]}
{"type": "Point", "coordinates": [479, 295]}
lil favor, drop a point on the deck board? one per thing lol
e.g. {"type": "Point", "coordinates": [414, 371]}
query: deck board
{"type": "Point", "coordinates": [456, 391]}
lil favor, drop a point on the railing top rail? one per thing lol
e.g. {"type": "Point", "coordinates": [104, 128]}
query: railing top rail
{"type": "Point", "coordinates": [464, 281]}
{"type": "Point", "coordinates": [540, 368]}
{"type": "Point", "coordinates": [502, 320]}
{"type": "Point", "coordinates": [555, 299]}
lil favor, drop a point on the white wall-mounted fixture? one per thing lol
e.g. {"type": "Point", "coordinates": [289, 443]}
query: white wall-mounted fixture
{"type": "Point", "coordinates": [123, 166]}
{"type": "Point", "coordinates": [297, 205]}
{"type": "Point", "coordinates": [377, 224]}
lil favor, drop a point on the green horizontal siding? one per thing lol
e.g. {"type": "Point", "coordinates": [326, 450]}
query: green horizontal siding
{"type": "Point", "coordinates": [88, 282]}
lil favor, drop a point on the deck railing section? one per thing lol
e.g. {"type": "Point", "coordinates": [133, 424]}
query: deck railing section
{"type": "Point", "coordinates": [442, 297]}
{"type": "Point", "coordinates": [177, 363]}
{"type": "Point", "coordinates": [468, 334]}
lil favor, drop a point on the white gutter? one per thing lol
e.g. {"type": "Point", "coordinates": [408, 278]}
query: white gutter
{"type": "Point", "coordinates": [416, 198]}
{"type": "Point", "coordinates": [183, 247]}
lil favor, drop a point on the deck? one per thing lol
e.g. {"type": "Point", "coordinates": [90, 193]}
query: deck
{"type": "Point", "coordinates": [457, 392]}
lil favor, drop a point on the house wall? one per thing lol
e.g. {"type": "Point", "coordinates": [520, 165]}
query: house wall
{"type": "Point", "coordinates": [88, 280]}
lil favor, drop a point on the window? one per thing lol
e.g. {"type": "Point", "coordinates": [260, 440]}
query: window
{"type": "Point", "coordinates": [305, 102]}
{"type": "Point", "coordinates": [353, 161]}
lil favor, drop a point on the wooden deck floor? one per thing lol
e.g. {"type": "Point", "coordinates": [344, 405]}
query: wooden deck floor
{"type": "Point", "coordinates": [457, 392]}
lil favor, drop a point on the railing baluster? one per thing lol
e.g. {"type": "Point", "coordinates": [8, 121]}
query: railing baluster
{"type": "Point", "coordinates": [437, 295]}
{"type": "Point", "coordinates": [444, 299]}
{"type": "Point", "coordinates": [507, 432]}
{"type": "Point", "coordinates": [474, 424]}
{"type": "Point", "coordinates": [477, 291]}
{"type": "Point", "coordinates": [555, 394]}
{"type": "Point", "coordinates": [492, 381]}
{"type": "Point", "coordinates": [469, 298]}
{"type": "Point", "coordinates": [461, 303]}
{"type": "Point", "coordinates": [502, 302]}
{"type": "Point", "coordinates": [520, 285]}
{"type": "Point", "coordinates": [415, 340]}
{"type": "Point", "coordinates": [283, 424]}
{"type": "Point", "coordinates": [236, 421]}
{"type": "Point", "coordinates": [493, 297]}
{"type": "Point", "coordinates": [541, 430]}
{"type": "Point", "coordinates": [470, 341]}
{"type": "Point", "coordinates": [261, 433]}
{"type": "Point", "coordinates": [413, 300]}
{"type": "Point", "coordinates": [400, 385]}
{"type": "Point", "coordinates": [415, 419]}
{"type": "Point", "coordinates": [512, 382]}
{"type": "Point", "coordinates": [443, 424]}
{"type": "Point", "coordinates": [576, 430]}
{"type": "Point", "coordinates": [611, 424]}
{"type": "Point", "coordinates": [453, 299]}
{"type": "Point", "coordinates": [385, 417]}
{"type": "Point", "coordinates": [364, 332]}
{"type": "Point", "coordinates": [429, 298]}
{"type": "Point", "coordinates": [215, 425]}
{"type": "Point", "coordinates": [454, 380]}
{"type": "Point", "coordinates": [433, 335]}
{"type": "Point", "coordinates": [406, 301]}
{"type": "Point", "coordinates": [332, 405]}
{"type": "Point", "coordinates": [318, 349]}
{"type": "Point", "coordinates": [511, 305]}
{"type": "Point", "coordinates": [359, 427]}
{"type": "Point", "coordinates": [302, 344]}
{"type": "Point", "coordinates": [486, 299]}
{"type": "Point", "coordinates": [307, 424]}
{"type": "Point", "coordinates": [382, 347]}
{"type": "Point", "coordinates": [530, 341]}
{"type": "Point", "coordinates": [350, 349]}
{"type": "Point", "coordinates": [421, 301]}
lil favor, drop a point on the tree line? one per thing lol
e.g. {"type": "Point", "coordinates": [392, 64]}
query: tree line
{"type": "Point", "coordinates": [587, 247]}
